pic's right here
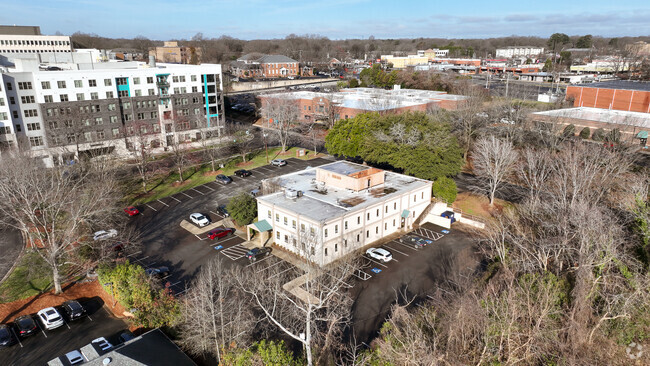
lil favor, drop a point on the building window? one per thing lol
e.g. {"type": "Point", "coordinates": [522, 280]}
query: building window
{"type": "Point", "coordinates": [277, 217]}
{"type": "Point", "coordinates": [394, 205]}
{"type": "Point", "coordinates": [386, 226]}
{"type": "Point", "coordinates": [92, 83]}
{"type": "Point", "coordinates": [345, 225]}
{"type": "Point", "coordinates": [376, 229]}
{"type": "Point", "coordinates": [63, 97]}
{"type": "Point", "coordinates": [336, 229]}
{"type": "Point", "coordinates": [99, 120]}
{"type": "Point", "coordinates": [368, 215]}
{"type": "Point", "coordinates": [12, 100]}
{"type": "Point", "coordinates": [302, 228]}
{"type": "Point", "coordinates": [312, 231]}
{"type": "Point", "coordinates": [100, 135]}
{"type": "Point", "coordinates": [336, 247]}
{"type": "Point", "coordinates": [422, 195]}
{"type": "Point", "coordinates": [377, 212]}
{"type": "Point", "coordinates": [277, 235]}
{"type": "Point", "coordinates": [116, 132]}
{"type": "Point", "coordinates": [45, 85]}
{"type": "Point", "coordinates": [3, 116]}
{"type": "Point", "coordinates": [31, 113]}
{"type": "Point", "coordinates": [326, 252]}
{"type": "Point", "coordinates": [358, 220]}
{"type": "Point", "coordinates": [386, 209]}
{"type": "Point", "coordinates": [78, 84]}
{"type": "Point", "coordinates": [358, 238]}
{"type": "Point", "coordinates": [60, 84]}
{"type": "Point", "coordinates": [195, 89]}
{"type": "Point", "coordinates": [326, 233]}
{"type": "Point", "coordinates": [286, 221]}
{"type": "Point", "coordinates": [154, 114]}
{"type": "Point", "coordinates": [35, 141]}
{"type": "Point", "coordinates": [127, 117]}
{"type": "Point", "coordinates": [286, 238]}
{"type": "Point", "coordinates": [414, 197]}
{"type": "Point", "coordinates": [18, 128]}
{"type": "Point", "coordinates": [367, 233]}
{"type": "Point", "coordinates": [269, 214]}
{"type": "Point", "coordinates": [15, 114]}
{"type": "Point", "coordinates": [48, 99]}
{"type": "Point", "coordinates": [295, 243]}
{"type": "Point", "coordinates": [24, 99]}
{"type": "Point", "coordinates": [33, 126]}
{"type": "Point", "coordinates": [150, 80]}
{"type": "Point", "coordinates": [293, 224]}
{"type": "Point", "coordinates": [393, 222]}
{"type": "Point", "coordinates": [136, 80]}
{"type": "Point", "coordinates": [123, 93]}
{"type": "Point", "coordinates": [152, 92]}
{"type": "Point", "coordinates": [80, 96]}
{"type": "Point", "coordinates": [25, 85]}
{"type": "Point", "coordinates": [94, 96]}
{"type": "Point", "coordinates": [107, 82]}
{"type": "Point", "coordinates": [140, 116]}
{"type": "Point", "coordinates": [121, 81]}
{"type": "Point", "coordinates": [9, 87]}
{"type": "Point", "coordinates": [109, 94]}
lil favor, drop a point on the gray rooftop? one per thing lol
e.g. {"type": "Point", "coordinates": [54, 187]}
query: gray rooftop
{"type": "Point", "coordinates": [625, 118]}
{"type": "Point", "coordinates": [620, 84]}
{"type": "Point", "coordinates": [323, 203]}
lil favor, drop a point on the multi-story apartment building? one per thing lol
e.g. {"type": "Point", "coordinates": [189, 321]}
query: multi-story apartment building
{"type": "Point", "coordinates": [255, 65]}
{"type": "Point", "coordinates": [59, 115]}
{"type": "Point", "coordinates": [173, 53]}
{"type": "Point", "coordinates": [324, 213]}
{"type": "Point", "coordinates": [519, 51]}
{"type": "Point", "coordinates": [22, 39]}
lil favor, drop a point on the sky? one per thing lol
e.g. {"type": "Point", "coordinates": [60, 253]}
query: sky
{"type": "Point", "coordinates": [336, 19]}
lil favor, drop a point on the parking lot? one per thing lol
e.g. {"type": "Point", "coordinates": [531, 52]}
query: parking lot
{"type": "Point", "coordinates": [45, 345]}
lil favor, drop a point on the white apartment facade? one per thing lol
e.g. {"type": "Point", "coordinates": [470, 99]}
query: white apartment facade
{"type": "Point", "coordinates": [12, 44]}
{"type": "Point", "coordinates": [58, 115]}
{"type": "Point", "coordinates": [324, 213]}
{"type": "Point", "coordinates": [525, 51]}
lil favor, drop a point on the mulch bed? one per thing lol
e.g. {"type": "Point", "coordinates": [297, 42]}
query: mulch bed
{"type": "Point", "coordinates": [244, 164]}
{"type": "Point", "coordinates": [72, 291]}
{"type": "Point", "coordinates": [211, 174]}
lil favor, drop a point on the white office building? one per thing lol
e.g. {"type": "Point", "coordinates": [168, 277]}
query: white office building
{"type": "Point", "coordinates": [26, 39]}
{"type": "Point", "coordinates": [524, 51]}
{"type": "Point", "coordinates": [99, 108]}
{"type": "Point", "coordinates": [324, 213]}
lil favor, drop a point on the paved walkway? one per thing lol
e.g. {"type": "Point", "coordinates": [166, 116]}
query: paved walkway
{"type": "Point", "coordinates": [11, 243]}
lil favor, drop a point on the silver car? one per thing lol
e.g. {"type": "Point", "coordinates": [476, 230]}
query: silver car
{"type": "Point", "coordinates": [50, 318]}
{"type": "Point", "coordinates": [199, 219]}
{"type": "Point", "coordinates": [380, 254]}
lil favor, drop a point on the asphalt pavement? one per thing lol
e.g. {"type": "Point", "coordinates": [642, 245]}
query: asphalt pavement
{"type": "Point", "coordinates": [11, 243]}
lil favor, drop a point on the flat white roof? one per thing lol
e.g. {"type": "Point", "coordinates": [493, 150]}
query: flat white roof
{"type": "Point", "coordinates": [323, 203]}
{"type": "Point", "coordinates": [602, 115]}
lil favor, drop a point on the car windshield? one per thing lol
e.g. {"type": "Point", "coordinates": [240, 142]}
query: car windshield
{"type": "Point", "coordinates": [74, 306]}
{"type": "Point", "coordinates": [55, 319]}
{"type": "Point", "coordinates": [4, 333]}
{"type": "Point", "coordinates": [25, 322]}
{"type": "Point", "coordinates": [200, 217]}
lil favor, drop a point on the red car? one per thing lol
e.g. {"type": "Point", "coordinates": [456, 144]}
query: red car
{"type": "Point", "coordinates": [221, 232]}
{"type": "Point", "coordinates": [131, 211]}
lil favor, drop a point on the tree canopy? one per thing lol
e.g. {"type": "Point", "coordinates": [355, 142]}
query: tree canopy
{"type": "Point", "coordinates": [412, 142]}
{"type": "Point", "coordinates": [242, 208]}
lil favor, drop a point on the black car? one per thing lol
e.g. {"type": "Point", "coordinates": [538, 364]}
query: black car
{"type": "Point", "coordinates": [223, 179]}
{"type": "Point", "coordinates": [242, 173]}
{"type": "Point", "coordinates": [256, 253]}
{"type": "Point", "coordinates": [126, 336]}
{"type": "Point", "coordinates": [73, 309]}
{"type": "Point", "coordinates": [415, 241]}
{"type": "Point", "coordinates": [25, 325]}
{"type": "Point", "coordinates": [6, 336]}
{"type": "Point", "coordinates": [158, 272]}
{"type": "Point", "coordinates": [221, 210]}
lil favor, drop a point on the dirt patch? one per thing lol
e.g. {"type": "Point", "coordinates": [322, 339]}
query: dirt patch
{"type": "Point", "coordinates": [179, 184]}
{"type": "Point", "coordinates": [212, 174]}
{"type": "Point", "coordinates": [478, 205]}
{"type": "Point", "coordinates": [72, 291]}
{"type": "Point", "coordinates": [244, 164]}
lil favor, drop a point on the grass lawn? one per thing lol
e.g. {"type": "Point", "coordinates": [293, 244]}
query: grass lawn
{"type": "Point", "coordinates": [29, 278]}
{"type": "Point", "coordinates": [167, 185]}
{"type": "Point", "coordinates": [479, 206]}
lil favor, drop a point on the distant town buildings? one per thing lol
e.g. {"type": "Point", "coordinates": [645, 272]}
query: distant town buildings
{"type": "Point", "coordinates": [405, 61]}
{"type": "Point", "coordinates": [433, 53]}
{"type": "Point", "coordinates": [255, 65]}
{"type": "Point", "coordinates": [639, 48]}
{"type": "Point", "coordinates": [315, 106]}
{"type": "Point", "coordinates": [171, 52]}
{"type": "Point", "coordinates": [324, 213]}
{"type": "Point", "coordinates": [28, 39]}
{"type": "Point", "coordinates": [91, 109]}
{"type": "Point", "coordinates": [519, 51]}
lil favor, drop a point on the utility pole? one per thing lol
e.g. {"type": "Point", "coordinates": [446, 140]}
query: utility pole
{"type": "Point", "coordinates": [507, 82]}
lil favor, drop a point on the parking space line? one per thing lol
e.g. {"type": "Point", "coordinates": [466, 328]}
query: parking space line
{"type": "Point", "coordinates": [177, 200]}
{"type": "Point", "coordinates": [221, 241]}
{"type": "Point", "coordinates": [268, 267]}
{"type": "Point", "coordinates": [286, 270]}
{"type": "Point", "coordinates": [358, 274]}
{"type": "Point", "coordinates": [151, 207]}
{"type": "Point", "coordinates": [163, 203]}
{"type": "Point", "coordinates": [257, 262]}
{"type": "Point", "coordinates": [400, 252]}
{"type": "Point", "coordinates": [41, 328]}
{"type": "Point", "coordinates": [216, 214]}
{"type": "Point", "coordinates": [208, 187]}
{"type": "Point", "coordinates": [17, 338]}
{"type": "Point", "coordinates": [374, 261]}
{"type": "Point", "coordinates": [185, 194]}
{"type": "Point", "coordinates": [402, 244]}
{"type": "Point", "coordinates": [235, 252]}
{"type": "Point", "coordinates": [195, 190]}
{"type": "Point", "coordinates": [132, 254]}
{"type": "Point", "coordinates": [65, 322]}
{"type": "Point", "coordinates": [200, 238]}
{"type": "Point", "coordinates": [91, 319]}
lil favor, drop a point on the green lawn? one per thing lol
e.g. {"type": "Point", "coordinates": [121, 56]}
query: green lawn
{"type": "Point", "coordinates": [195, 176]}
{"type": "Point", "coordinates": [29, 278]}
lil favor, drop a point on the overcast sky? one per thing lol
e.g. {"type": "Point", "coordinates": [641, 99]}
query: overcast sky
{"type": "Point", "coordinates": [336, 19]}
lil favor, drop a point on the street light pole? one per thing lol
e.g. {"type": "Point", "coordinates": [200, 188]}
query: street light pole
{"type": "Point", "coordinates": [266, 148]}
{"type": "Point", "coordinates": [112, 292]}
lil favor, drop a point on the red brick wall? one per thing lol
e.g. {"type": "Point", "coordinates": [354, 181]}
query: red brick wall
{"type": "Point", "coordinates": [292, 69]}
{"type": "Point", "coordinates": [624, 100]}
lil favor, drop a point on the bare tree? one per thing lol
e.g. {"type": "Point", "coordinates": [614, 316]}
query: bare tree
{"type": "Point", "coordinates": [494, 161]}
{"type": "Point", "coordinates": [280, 113]}
{"type": "Point", "coordinates": [215, 313]}
{"type": "Point", "coordinates": [55, 209]}
{"type": "Point", "coordinates": [471, 116]}
{"type": "Point", "coordinates": [141, 143]}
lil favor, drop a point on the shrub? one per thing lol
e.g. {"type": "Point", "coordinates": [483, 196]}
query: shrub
{"type": "Point", "coordinates": [569, 131]}
{"type": "Point", "coordinates": [585, 133]}
{"type": "Point", "coordinates": [598, 135]}
{"type": "Point", "coordinates": [242, 208]}
{"type": "Point", "coordinates": [613, 136]}
{"type": "Point", "coordinates": [445, 188]}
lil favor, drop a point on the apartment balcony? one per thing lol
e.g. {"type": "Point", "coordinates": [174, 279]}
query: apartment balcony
{"type": "Point", "coordinates": [162, 83]}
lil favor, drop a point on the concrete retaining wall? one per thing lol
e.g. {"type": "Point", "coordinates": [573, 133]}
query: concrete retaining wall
{"type": "Point", "coordinates": [255, 85]}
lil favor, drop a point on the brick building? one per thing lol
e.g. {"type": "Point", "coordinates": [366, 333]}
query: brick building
{"type": "Point", "coordinates": [315, 107]}
{"type": "Point", "coordinates": [255, 65]}
{"type": "Point", "coordinates": [173, 53]}
{"type": "Point", "coordinates": [631, 96]}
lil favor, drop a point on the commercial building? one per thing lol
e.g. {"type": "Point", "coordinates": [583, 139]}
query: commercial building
{"type": "Point", "coordinates": [519, 51]}
{"type": "Point", "coordinates": [406, 61]}
{"type": "Point", "coordinates": [27, 39]}
{"type": "Point", "coordinates": [433, 53]}
{"type": "Point", "coordinates": [255, 65]}
{"type": "Point", "coordinates": [631, 125]}
{"type": "Point", "coordinates": [458, 61]}
{"type": "Point", "coordinates": [324, 213]}
{"type": "Point", "coordinates": [633, 96]}
{"type": "Point", "coordinates": [315, 106]}
{"type": "Point", "coordinates": [171, 52]}
{"type": "Point", "coordinates": [602, 67]}
{"type": "Point", "coordinates": [59, 115]}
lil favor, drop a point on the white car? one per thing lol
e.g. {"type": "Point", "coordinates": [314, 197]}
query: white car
{"type": "Point", "coordinates": [75, 357]}
{"type": "Point", "coordinates": [50, 318]}
{"type": "Point", "coordinates": [278, 162]}
{"type": "Point", "coordinates": [104, 234]}
{"type": "Point", "coordinates": [199, 219]}
{"type": "Point", "coordinates": [102, 343]}
{"type": "Point", "coordinates": [380, 254]}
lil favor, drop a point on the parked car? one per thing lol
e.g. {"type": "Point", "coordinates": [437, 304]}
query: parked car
{"type": "Point", "coordinates": [102, 343]}
{"type": "Point", "coordinates": [73, 309]}
{"type": "Point", "coordinates": [50, 318]}
{"type": "Point", "coordinates": [131, 211]}
{"type": "Point", "coordinates": [25, 325]}
{"type": "Point", "coordinates": [199, 219]}
{"type": "Point", "coordinates": [413, 240]}
{"type": "Point", "coordinates": [223, 179]}
{"type": "Point", "coordinates": [104, 234]}
{"type": "Point", "coordinates": [256, 253]}
{"type": "Point", "coordinates": [380, 254]}
{"type": "Point", "coordinates": [75, 357]}
{"type": "Point", "coordinates": [242, 173]}
{"type": "Point", "coordinates": [158, 272]}
{"type": "Point", "coordinates": [221, 210]}
{"type": "Point", "coordinates": [126, 336]}
{"type": "Point", "coordinates": [256, 192]}
{"type": "Point", "coordinates": [278, 162]}
{"type": "Point", "coordinates": [6, 335]}
{"type": "Point", "coordinates": [220, 232]}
